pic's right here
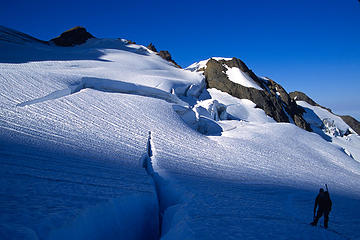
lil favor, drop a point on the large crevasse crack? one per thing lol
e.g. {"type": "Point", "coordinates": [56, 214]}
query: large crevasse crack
{"type": "Point", "coordinates": [170, 198]}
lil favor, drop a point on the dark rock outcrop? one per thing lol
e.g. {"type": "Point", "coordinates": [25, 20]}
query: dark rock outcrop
{"type": "Point", "coordinates": [352, 122]}
{"type": "Point", "coordinates": [295, 111]}
{"type": "Point", "coordinates": [130, 42]}
{"type": "Point", "coordinates": [163, 54]}
{"type": "Point", "coordinates": [300, 96]}
{"type": "Point", "coordinates": [72, 37]}
{"type": "Point", "coordinates": [167, 56]}
{"type": "Point", "coordinates": [152, 47]}
{"type": "Point", "coordinates": [273, 99]}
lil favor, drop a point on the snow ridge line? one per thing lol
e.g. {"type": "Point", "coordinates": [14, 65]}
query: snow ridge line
{"type": "Point", "coordinates": [107, 85]}
{"type": "Point", "coordinates": [166, 194]}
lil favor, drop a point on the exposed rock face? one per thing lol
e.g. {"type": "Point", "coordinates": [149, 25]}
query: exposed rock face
{"type": "Point", "coordinates": [167, 56]}
{"type": "Point", "coordinates": [352, 122]}
{"type": "Point", "coordinates": [289, 104]}
{"type": "Point", "coordinates": [152, 47]}
{"type": "Point", "coordinates": [72, 37]}
{"type": "Point", "coordinates": [273, 99]}
{"type": "Point", "coordinates": [163, 54]}
{"type": "Point", "coordinates": [130, 42]}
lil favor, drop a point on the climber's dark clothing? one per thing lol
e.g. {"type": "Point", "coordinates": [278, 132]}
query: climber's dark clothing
{"type": "Point", "coordinates": [324, 204]}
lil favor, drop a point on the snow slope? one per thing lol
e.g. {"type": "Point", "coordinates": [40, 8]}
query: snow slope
{"type": "Point", "coordinates": [50, 195]}
{"type": "Point", "coordinates": [332, 128]}
{"type": "Point", "coordinates": [74, 126]}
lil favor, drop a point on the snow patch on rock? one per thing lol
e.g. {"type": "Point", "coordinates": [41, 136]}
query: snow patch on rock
{"type": "Point", "coordinates": [237, 76]}
{"type": "Point", "coordinates": [201, 65]}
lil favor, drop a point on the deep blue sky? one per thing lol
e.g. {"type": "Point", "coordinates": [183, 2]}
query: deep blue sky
{"type": "Point", "coordinates": [307, 45]}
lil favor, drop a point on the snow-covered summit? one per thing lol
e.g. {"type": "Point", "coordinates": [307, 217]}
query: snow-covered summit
{"type": "Point", "coordinates": [235, 74]}
{"type": "Point", "coordinates": [201, 65]}
{"type": "Point", "coordinates": [235, 78]}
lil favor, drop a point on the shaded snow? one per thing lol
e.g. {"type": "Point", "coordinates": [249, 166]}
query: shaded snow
{"type": "Point", "coordinates": [46, 194]}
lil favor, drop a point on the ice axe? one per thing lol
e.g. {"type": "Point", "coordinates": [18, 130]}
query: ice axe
{"type": "Point", "coordinates": [326, 187]}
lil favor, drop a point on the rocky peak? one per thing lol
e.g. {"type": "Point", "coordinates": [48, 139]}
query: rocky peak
{"type": "Point", "coordinates": [72, 37]}
{"type": "Point", "coordinates": [273, 99]}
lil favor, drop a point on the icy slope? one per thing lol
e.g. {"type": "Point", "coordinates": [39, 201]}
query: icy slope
{"type": "Point", "coordinates": [74, 126]}
{"type": "Point", "coordinates": [80, 158]}
{"type": "Point", "coordinates": [333, 129]}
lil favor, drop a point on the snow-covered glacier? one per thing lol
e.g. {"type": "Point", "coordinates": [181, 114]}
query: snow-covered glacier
{"type": "Point", "coordinates": [74, 128]}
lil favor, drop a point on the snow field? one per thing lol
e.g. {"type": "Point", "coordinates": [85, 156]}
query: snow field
{"type": "Point", "coordinates": [235, 210]}
{"type": "Point", "coordinates": [71, 158]}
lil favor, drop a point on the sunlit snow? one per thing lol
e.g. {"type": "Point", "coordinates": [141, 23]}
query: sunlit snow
{"type": "Point", "coordinates": [237, 76]}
